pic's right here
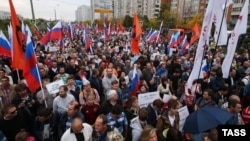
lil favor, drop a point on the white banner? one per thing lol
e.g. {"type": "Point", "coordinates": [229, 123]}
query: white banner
{"type": "Point", "coordinates": [240, 28]}
{"type": "Point", "coordinates": [146, 98]}
{"type": "Point", "coordinates": [53, 87]}
{"type": "Point", "coordinates": [217, 19]}
{"type": "Point", "coordinates": [204, 38]}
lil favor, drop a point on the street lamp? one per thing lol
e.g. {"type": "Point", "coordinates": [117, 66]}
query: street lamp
{"type": "Point", "coordinates": [32, 11]}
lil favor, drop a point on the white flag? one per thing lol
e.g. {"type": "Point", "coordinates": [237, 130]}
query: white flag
{"type": "Point", "coordinates": [204, 37]}
{"type": "Point", "coordinates": [240, 28]}
{"type": "Point", "coordinates": [217, 19]}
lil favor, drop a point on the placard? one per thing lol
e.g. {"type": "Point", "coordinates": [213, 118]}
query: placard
{"type": "Point", "coordinates": [53, 87]}
{"type": "Point", "coordinates": [183, 113]}
{"type": "Point", "coordinates": [166, 98]}
{"type": "Point", "coordinates": [53, 49]}
{"type": "Point", "coordinates": [146, 98]}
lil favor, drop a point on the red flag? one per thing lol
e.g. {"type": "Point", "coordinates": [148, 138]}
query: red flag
{"type": "Point", "coordinates": [18, 40]}
{"type": "Point", "coordinates": [45, 39]}
{"type": "Point", "coordinates": [195, 33]}
{"type": "Point", "coordinates": [37, 32]}
{"type": "Point", "coordinates": [136, 32]}
{"type": "Point", "coordinates": [120, 27]}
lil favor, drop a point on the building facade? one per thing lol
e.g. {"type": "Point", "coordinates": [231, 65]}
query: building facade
{"type": "Point", "coordinates": [83, 13]}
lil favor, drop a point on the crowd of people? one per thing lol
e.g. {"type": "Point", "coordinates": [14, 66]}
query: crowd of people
{"type": "Point", "coordinates": [96, 104]}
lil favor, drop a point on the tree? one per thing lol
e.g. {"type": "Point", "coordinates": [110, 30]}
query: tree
{"type": "Point", "coordinates": [196, 18]}
{"type": "Point", "coordinates": [168, 16]}
{"type": "Point", "coordinates": [128, 21]}
{"type": "Point", "coordinates": [146, 22]}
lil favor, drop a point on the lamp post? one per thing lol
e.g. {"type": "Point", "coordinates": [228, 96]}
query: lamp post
{"type": "Point", "coordinates": [113, 8]}
{"type": "Point", "coordinates": [32, 11]}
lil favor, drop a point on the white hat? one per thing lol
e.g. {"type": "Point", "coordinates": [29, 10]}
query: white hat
{"type": "Point", "coordinates": [110, 94]}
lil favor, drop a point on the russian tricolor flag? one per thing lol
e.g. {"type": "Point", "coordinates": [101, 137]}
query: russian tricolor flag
{"type": "Point", "coordinates": [106, 34]}
{"type": "Point", "coordinates": [56, 31]}
{"type": "Point", "coordinates": [86, 40]}
{"type": "Point", "coordinates": [184, 46]}
{"type": "Point", "coordinates": [30, 71]}
{"type": "Point", "coordinates": [176, 39]}
{"type": "Point", "coordinates": [153, 36]}
{"type": "Point", "coordinates": [70, 32]}
{"type": "Point", "coordinates": [5, 48]}
{"type": "Point", "coordinates": [135, 83]}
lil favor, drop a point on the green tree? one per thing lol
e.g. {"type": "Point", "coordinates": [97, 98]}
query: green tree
{"type": "Point", "coordinates": [168, 16]}
{"type": "Point", "coordinates": [196, 18]}
{"type": "Point", "coordinates": [3, 26]}
{"type": "Point", "coordinates": [128, 21]}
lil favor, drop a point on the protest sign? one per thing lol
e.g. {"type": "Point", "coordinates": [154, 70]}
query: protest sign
{"type": "Point", "coordinates": [53, 87]}
{"type": "Point", "coordinates": [147, 98]}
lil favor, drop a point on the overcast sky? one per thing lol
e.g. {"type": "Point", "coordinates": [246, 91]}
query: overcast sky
{"type": "Point", "coordinates": [65, 9]}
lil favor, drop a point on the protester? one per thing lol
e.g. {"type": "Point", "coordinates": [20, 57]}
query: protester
{"type": "Point", "coordinates": [102, 131]}
{"type": "Point", "coordinates": [65, 120]}
{"type": "Point", "coordinates": [62, 101]}
{"type": "Point", "coordinates": [79, 131]}
{"type": "Point", "coordinates": [138, 123]}
{"type": "Point", "coordinates": [148, 134]}
{"type": "Point", "coordinates": [13, 121]}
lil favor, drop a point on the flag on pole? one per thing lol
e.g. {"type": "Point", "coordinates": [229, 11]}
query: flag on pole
{"type": "Point", "coordinates": [120, 27]}
{"type": "Point", "coordinates": [159, 32]}
{"type": "Point", "coordinates": [220, 21]}
{"type": "Point", "coordinates": [153, 36]}
{"type": "Point", "coordinates": [240, 28]}
{"type": "Point", "coordinates": [184, 45]}
{"type": "Point", "coordinates": [86, 40]}
{"type": "Point", "coordinates": [18, 40]}
{"type": "Point", "coordinates": [48, 27]}
{"type": "Point", "coordinates": [56, 31]}
{"type": "Point", "coordinates": [195, 33]}
{"type": "Point", "coordinates": [5, 48]}
{"type": "Point", "coordinates": [105, 31]}
{"type": "Point", "coordinates": [135, 83]}
{"type": "Point", "coordinates": [150, 32]}
{"type": "Point", "coordinates": [45, 39]}
{"type": "Point", "coordinates": [30, 71]}
{"type": "Point", "coordinates": [28, 32]}
{"type": "Point", "coordinates": [205, 33]}
{"type": "Point", "coordinates": [69, 31]}
{"type": "Point", "coordinates": [37, 32]}
{"type": "Point", "coordinates": [176, 39]}
{"type": "Point", "coordinates": [136, 33]}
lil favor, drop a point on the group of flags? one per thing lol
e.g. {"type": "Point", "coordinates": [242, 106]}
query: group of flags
{"type": "Point", "coordinates": [20, 44]}
{"type": "Point", "coordinates": [19, 47]}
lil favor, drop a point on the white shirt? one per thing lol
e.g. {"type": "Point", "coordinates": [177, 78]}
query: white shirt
{"type": "Point", "coordinates": [87, 133]}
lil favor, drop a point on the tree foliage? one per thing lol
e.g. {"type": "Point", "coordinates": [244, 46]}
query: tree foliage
{"type": "Point", "coordinates": [128, 21]}
{"type": "Point", "coordinates": [196, 18]}
{"type": "Point", "coordinates": [168, 16]}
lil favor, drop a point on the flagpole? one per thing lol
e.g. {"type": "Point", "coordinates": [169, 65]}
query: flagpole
{"type": "Point", "coordinates": [39, 79]}
{"type": "Point", "coordinates": [216, 45]}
